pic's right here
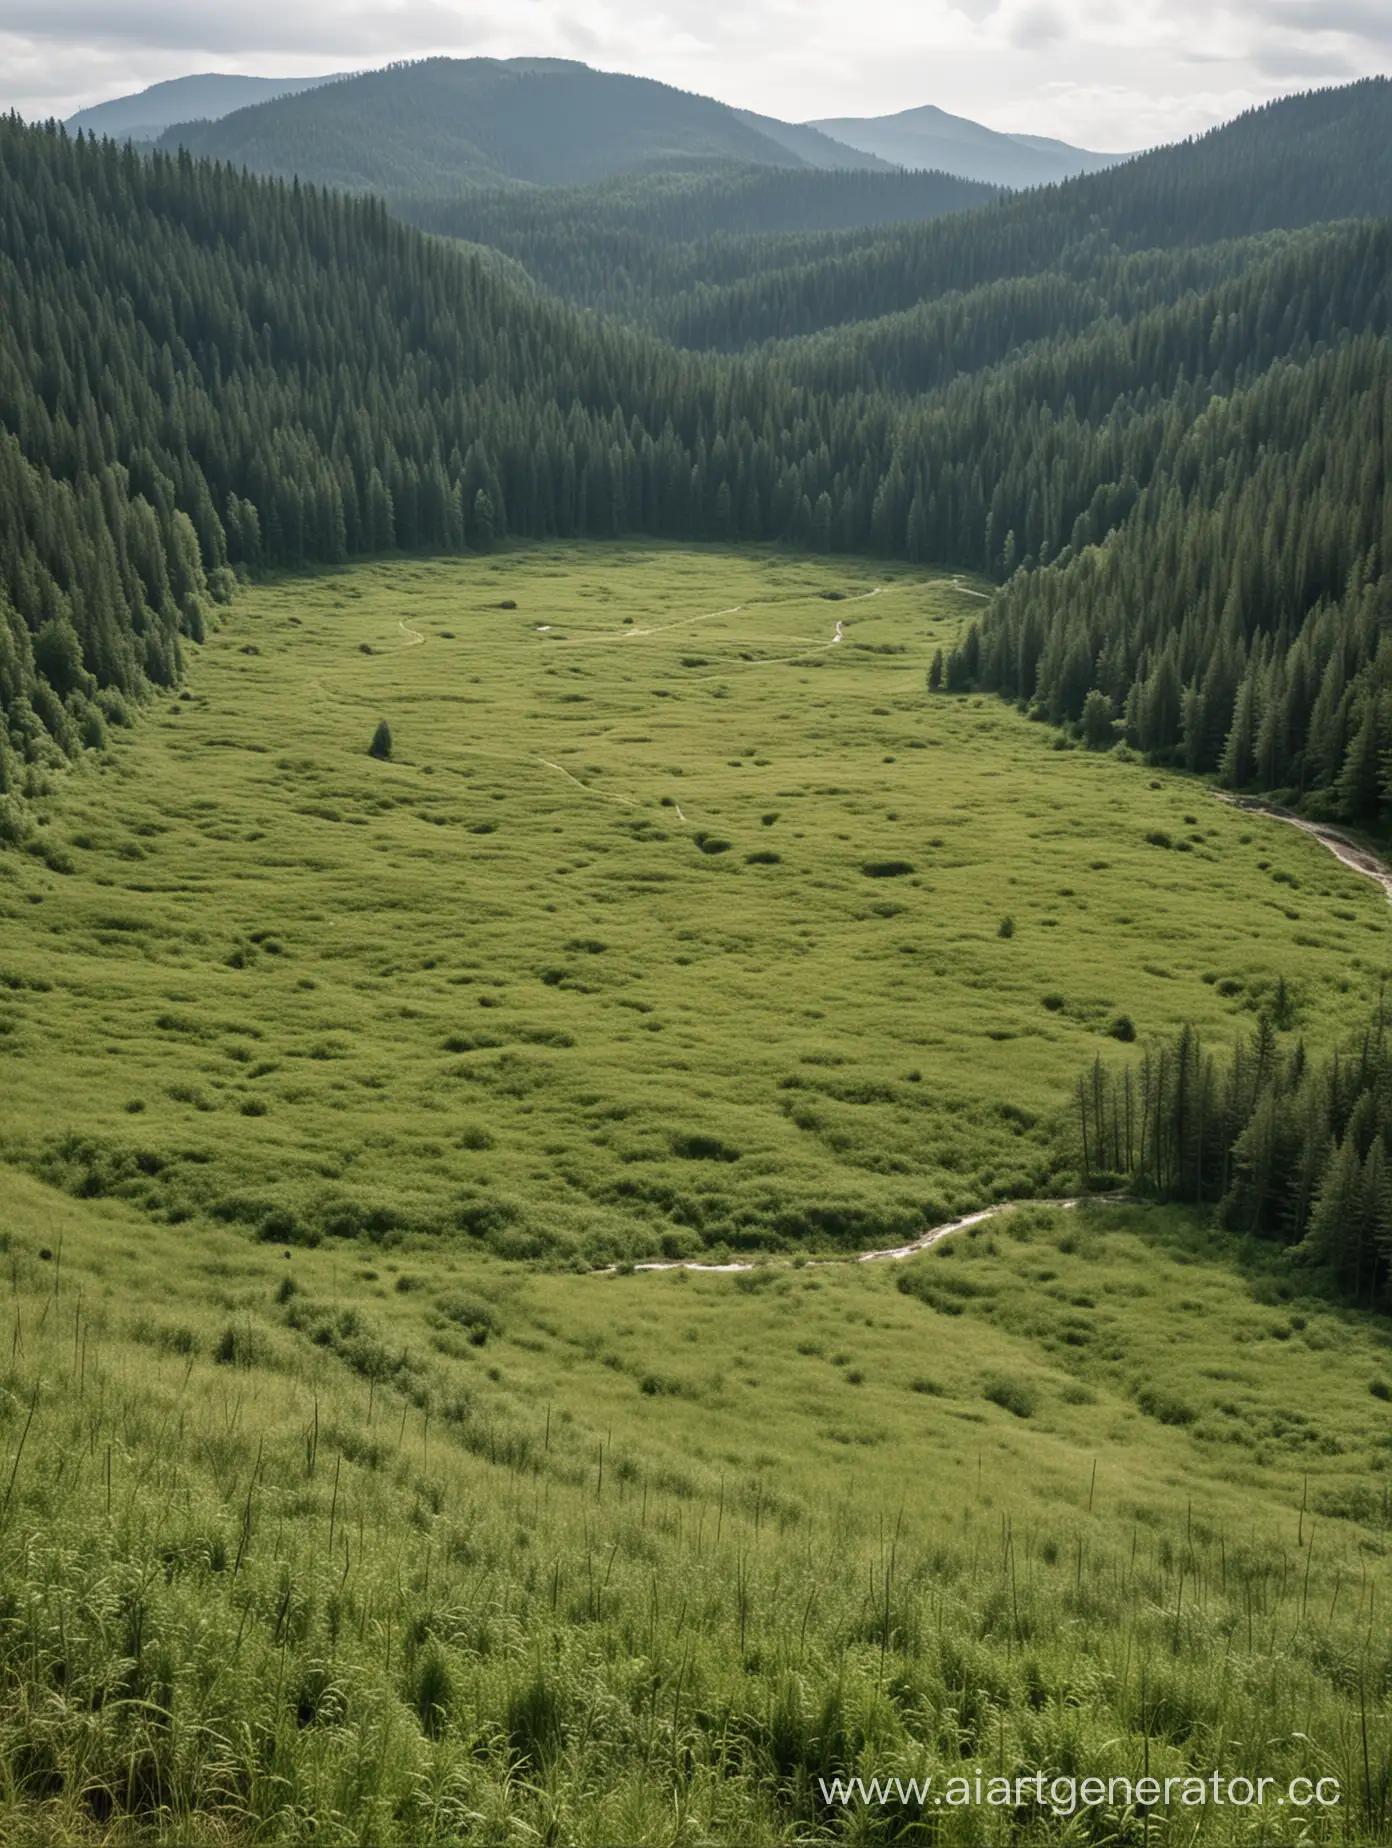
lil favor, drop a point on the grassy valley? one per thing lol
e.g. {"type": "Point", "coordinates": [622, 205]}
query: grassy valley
{"type": "Point", "coordinates": [563, 802]}
{"type": "Point", "coordinates": [672, 925]}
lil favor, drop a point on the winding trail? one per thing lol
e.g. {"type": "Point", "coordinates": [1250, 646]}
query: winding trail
{"type": "Point", "coordinates": [1345, 849]}
{"type": "Point", "coordinates": [811, 648]}
{"type": "Point", "coordinates": [603, 794]}
{"type": "Point", "coordinates": [891, 1254]}
{"type": "Point", "coordinates": [967, 591]}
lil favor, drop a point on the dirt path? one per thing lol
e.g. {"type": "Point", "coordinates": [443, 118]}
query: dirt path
{"type": "Point", "coordinates": [967, 591]}
{"type": "Point", "coordinates": [891, 1254]}
{"type": "Point", "coordinates": [603, 794]}
{"type": "Point", "coordinates": [809, 648]}
{"type": "Point", "coordinates": [1345, 849]}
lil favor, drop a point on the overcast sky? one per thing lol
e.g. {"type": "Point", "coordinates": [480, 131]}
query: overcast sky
{"type": "Point", "coordinates": [1102, 73]}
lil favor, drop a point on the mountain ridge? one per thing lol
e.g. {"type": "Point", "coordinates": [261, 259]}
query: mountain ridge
{"type": "Point", "coordinates": [929, 137]}
{"type": "Point", "coordinates": [271, 125]}
{"type": "Point", "coordinates": [441, 122]}
{"type": "Point", "coordinates": [204, 96]}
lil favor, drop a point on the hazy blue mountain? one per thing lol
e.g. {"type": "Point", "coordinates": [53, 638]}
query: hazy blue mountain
{"type": "Point", "coordinates": [813, 148]}
{"type": "Point", "coordinates": [443, 123]}
{"type": "Point", "coordinates": [440, 123]}
{"type": "Point", "coordinates": [145, 116]}
{"type": "Point", "coordinates": [930, 138]}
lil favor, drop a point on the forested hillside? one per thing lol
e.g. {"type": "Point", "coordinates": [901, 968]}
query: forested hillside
{"type": "Point", "coordinates": [1183, 446]}
{"type": "Point", "coordinates": [1278, 168]}
{"type": "Point", "coordinates": [572, 239]}
{"type": "Point", "coordinates": [447, 122]}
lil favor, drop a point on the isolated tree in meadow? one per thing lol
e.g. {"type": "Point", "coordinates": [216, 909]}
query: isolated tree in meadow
{"type": "Point", "coordinates": [381, 746]}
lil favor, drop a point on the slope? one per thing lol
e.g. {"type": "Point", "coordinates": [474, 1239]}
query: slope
{"type": "Point", "coordinates": [427, 1548]}
{"type": "Point", "coordinates": [931, 138]}
{"type": "Point", "coordinates": [445, 123]}
{"type": "Point", "coordinates": [656, 235]}
{"type": "Point", "coordinates": [1280, 167]}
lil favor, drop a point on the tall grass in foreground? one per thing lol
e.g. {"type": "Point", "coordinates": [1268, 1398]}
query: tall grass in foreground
{"type": "Point", "coordinates": [245, 1596]}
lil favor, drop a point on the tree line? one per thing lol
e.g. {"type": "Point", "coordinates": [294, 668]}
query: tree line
{"type": "Point", "coordinates": [1281, 1145]}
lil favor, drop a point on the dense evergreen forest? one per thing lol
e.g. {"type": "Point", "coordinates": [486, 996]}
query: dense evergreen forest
{"type": "Point", "coordinates": [1285, 1147]}
{"type": "Point", "coordinates": [1160, 423]}
{"type": "Point", "coordinates": [572, 237]}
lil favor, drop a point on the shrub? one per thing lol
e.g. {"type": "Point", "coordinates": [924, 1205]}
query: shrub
{"type": "Point", "coordinates": [1013, 1395]}
{"type": "Point", "coordinates": [703, 1148]}
{"type": "Point", "coordinates": [886, 869]}
{"type": "Point", "coordinates": [1166, 1407]}
{"type": "Point", "coordinates": [1123, 1028]}
{"type": "Point", "coordinates": [1007, 928]}
{"type": "Point", "coordinates": [381, 746]}
{"type": "Point", "coordinates": [477, 1319]}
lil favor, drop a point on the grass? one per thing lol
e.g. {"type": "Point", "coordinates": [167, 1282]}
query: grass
{"type": "Point", "coordinates": [616, 956]}
{"type": "Point", "coordinates": [442, 1545]}
{"type": "Point", "coordinates": [341, 1495]}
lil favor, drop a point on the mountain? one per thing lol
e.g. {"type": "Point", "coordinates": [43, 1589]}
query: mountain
{"type": "Point", "coordinates": [814, 149]}
{"type": "Point", "coordinates": [145, 116]}
{"type": "Point", "coordinates": [443, 123]}
{"type": "Point", "coordinates": [931, 138]}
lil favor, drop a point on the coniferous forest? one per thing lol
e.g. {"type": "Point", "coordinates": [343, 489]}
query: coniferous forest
{"type": "Point", "coordinates": [1284, 1146]}
{"type": "Point", "coordinates": [1152, 403]}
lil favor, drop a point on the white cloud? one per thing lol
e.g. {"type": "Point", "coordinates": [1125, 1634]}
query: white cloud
{"type": "Point", "coordinates": [1106, 73]}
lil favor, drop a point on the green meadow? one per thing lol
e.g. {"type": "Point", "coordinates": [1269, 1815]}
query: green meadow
{"type": "Point", "coordinates": [354, 1484]}
{"type": "Point", "coordinates": [673, 925]}
{"type": "Point", "coordinates": [423, 1546]}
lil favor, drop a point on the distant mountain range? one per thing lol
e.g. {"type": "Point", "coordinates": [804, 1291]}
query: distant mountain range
{"type": "Point", "coordinates": [444, 123]}
{"type": "Point", "coordinates": [931, 139]}
{"type": "Point", "coordinates": [145, 116]}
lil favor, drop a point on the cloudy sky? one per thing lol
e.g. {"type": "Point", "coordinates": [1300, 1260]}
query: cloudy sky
{"type": "Point", "coordinates": [1103, 73]}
